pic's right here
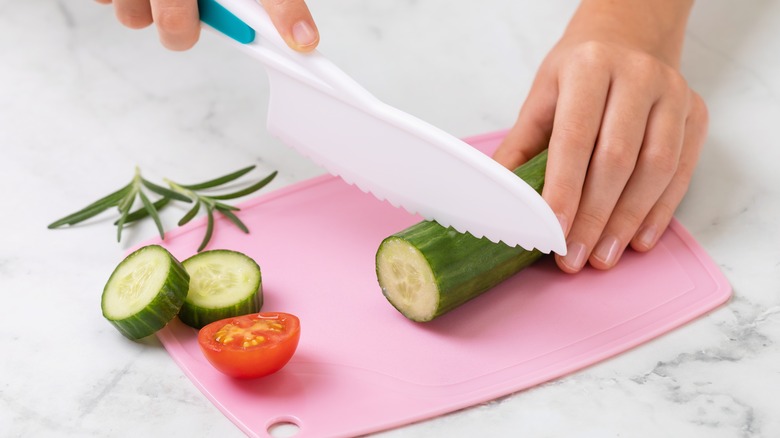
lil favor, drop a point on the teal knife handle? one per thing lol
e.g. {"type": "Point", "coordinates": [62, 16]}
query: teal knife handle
{"type": "Point", "coordinates": [216, 16]}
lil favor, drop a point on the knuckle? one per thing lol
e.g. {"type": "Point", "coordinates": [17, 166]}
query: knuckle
{"type": "Point", "coordinates": [676, 83]}
{"type": "Point", "coordinates": [618, 154]}
{"type": "Point", "coordinates": [510, 157]}
{"type": "Point", "coordinates": [661, 162]}
{"type": "Point", "coordinates": [699, 108]}
{"type": "Point", "coordinates": [592, 218]}
{"type": "Point", "coordinates": [646, 70]}
{"type": "Point", "coordinates": [134, 20]}
{"type": "Point", "coordinates": [181, 44]}
{"type": "Point", "coordinates": [175, 20]}
{"type": "Point", "coordinates": [591, 54]}
{"type": "Point", "coordinates": [281, 4]}
{"type": "Point", "coordinates": [633, 217]}
{"type": "Point", "coordinates": [644, 63]}
{"type": "Point", "coordinates": [684, 172]}
{"type": "Point", "coordinates": [566, 186]}
{"type": "Point", "coordinates": [643, 69]}
{"type": "Point", "coordinates": [572, 132]}
{"type": "Point", "coordinates": [663, 209]}
{"type": "Point", "coordinates": [563, 195]}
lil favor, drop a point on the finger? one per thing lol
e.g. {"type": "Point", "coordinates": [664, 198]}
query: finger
{"type": "Point", "coordinates": [105, 2]}
{"type": "Point", "coordinates": [581, 99]}
{"type": "Point", "coordinates": [135, 14]}
{"type": "Point", "coordinates": [177, 21]}
{"type": "Point", "coordinates": [661, 214]}
{"type": "Point", "coordinates": [294, 22]}
{"type": "Point", "coordinates": [657, 164]}
{"type": "Point", "coordinates": [531, 132]}
{"type": "Point", "coordinates": [610, 167]}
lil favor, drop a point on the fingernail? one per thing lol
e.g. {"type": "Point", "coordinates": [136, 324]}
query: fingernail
{"type": "Point", "coordinates": [647, 236]}
{"type": "Point", "coordinates": [607, 250]}
{"type": "Point", "coordinates": [575, 256]}
{"type": "Point", "coordinates": [304, 34]}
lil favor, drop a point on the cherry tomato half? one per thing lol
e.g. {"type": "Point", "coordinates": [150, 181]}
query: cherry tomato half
{"type": "Point", "coordinates": [252, 345]}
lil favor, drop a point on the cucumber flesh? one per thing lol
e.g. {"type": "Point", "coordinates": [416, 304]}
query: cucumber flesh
{"type": "Point", "coordinates": [407, 279]}
{"type": "Point", "coordinates": [427, 270]}
{"type": "Point", "coordinates": [223, 284]}
{"type": "Point", "coordinates": [145, 292]}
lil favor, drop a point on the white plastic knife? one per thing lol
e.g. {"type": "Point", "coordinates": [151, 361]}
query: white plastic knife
{"type": "Point", "coordinates": [323, 113]}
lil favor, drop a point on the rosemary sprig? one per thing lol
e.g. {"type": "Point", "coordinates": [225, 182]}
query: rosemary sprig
{"type": "Point", "coordinates": [211, 203]}
{"type": "Point", "coordinates": [126, 197]}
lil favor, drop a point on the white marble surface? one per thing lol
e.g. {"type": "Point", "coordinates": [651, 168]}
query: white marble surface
{"type": "Point", "coordinates": [82, 100]}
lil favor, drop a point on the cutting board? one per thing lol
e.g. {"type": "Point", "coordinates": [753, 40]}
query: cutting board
{"type": "Point", "coordinates": [361, 367]}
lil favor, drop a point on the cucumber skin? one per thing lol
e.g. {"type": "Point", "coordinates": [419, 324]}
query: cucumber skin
{"type": "Point", "coordinates": [167, 303]}
{"type": "Point", "coordinates": [465, 266]}
{"type": "Point", "coordinates": [198, 317]}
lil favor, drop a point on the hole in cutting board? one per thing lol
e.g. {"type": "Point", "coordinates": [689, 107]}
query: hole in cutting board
{"type": "Point", "coordinates": [283, 428]}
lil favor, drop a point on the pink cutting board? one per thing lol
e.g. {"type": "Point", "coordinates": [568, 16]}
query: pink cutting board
{"type": "Point", "coordinates": [361, 367]}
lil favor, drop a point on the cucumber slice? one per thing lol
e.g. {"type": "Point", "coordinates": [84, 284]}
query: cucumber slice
{"type": "Point", "coordinates": [145, 292]}
{"type": "Point", "coordinates": [223, 284]}
{"type": "Point", "coordinates": [427, 270]}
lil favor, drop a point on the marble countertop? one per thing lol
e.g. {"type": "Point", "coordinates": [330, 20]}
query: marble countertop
{"type": "Point", "coordinates": [83, 100]}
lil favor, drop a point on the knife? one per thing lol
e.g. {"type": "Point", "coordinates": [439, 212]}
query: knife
{"type": "Point", "coordinates": [323, 113]}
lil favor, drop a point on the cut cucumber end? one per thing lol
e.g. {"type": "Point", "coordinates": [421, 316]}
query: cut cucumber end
{"type": "Point", "coordinates": [223, 284]}
{"type": "Point", "coordinates": [145, 292]}
{"type": "Point", "coordinates": [407, 280]}
{"type": "Point", "coordinates": [427, 270]}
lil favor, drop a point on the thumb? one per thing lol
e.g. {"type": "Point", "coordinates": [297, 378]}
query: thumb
{"type": "Point", "coordinates": [294, 22]}
{"type": "Point", "coordinates": [533, 127]}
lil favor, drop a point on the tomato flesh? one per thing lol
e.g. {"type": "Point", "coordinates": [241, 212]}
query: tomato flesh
{"type": "Point", "coordinates": [251, 346]}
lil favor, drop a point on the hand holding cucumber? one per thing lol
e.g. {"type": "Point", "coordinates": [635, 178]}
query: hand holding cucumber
{"type": "Point", "coordinates": [623, 128]}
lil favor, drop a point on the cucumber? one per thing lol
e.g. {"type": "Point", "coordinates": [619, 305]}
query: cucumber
{"type": "Point", "coordinates": [145, 292]}
{"type": "Point", "coordinates": [427, 270]}
{"type": "Point", "coordinates": [223, 284]}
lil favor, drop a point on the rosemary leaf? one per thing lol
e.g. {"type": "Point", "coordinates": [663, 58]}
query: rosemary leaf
{"type": "Point", "coordinates": [142, 212]}
{"type": "Point", "coordinates": [220, 206]}
{"type": "Point", "coordinates": [124, 210]}
{"type": "Point", "coordinates": [209, 229]}
{"type": "Point", "coordinates": [219, 181]}
{"type": "Point", "coordinates": [128, 200]}
{"type": "Point", "coordinates": [162, 191]}
{"type": "Point", "coordinates": [233, 218]}
{"type": "Point", "coordinates": [251, 189]}
{"type": "Point", "coordinates": [93, 209]}
{"type": "Point", "coordinates": [149, 207]}
{"type": "Point", "coordinates": [190, 214]}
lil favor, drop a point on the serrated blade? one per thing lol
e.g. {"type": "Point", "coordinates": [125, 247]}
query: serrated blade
{"type": "Point", "coordinates": [412, 165]}
{"type": "Point", "coordinates": [320, 111]}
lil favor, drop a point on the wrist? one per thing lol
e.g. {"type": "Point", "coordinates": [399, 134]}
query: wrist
{"type": "Point", "coordinates": [656, 27]}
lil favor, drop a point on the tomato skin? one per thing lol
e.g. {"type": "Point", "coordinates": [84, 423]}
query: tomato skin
{"type": "Point", "coordinates": [253, 361]}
